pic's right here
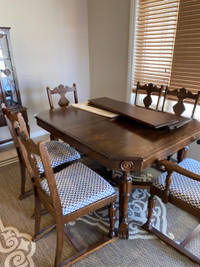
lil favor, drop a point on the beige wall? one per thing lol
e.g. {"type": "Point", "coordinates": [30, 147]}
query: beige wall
{"type": "Point", "coordinates": [108, 47]}
{"type": "Point", "coordinates": [50, 46]}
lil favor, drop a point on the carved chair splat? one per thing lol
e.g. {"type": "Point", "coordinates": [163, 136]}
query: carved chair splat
{"type": "Point", "coordinates": [62, 91]}
{"type": "Point", "coordinates": [180, 95]}
{"type": "Point", "coordinates": [149, 90]}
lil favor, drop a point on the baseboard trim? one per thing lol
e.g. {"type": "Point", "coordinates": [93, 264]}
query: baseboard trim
{"type": "Point", "coordinates": [39, 133]}
{"type": "Point", "coordinates": [8, 161]}
{"type": "Point", "coordinates": [33, 135]}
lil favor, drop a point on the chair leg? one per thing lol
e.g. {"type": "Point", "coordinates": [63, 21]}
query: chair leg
{"type": "Point", "coordinates": [114, 175]}
{"type": "Point", "coordinates": [112, 216]}
{"type": "Point", "coordinates": [59, 248]}
{"type": "Point", "coordinates": [169, 157]}
{"type": "Point", "coordinates": [37, 216]}
{"type": "Point", "coordinates": [53, 137]}
{"type": "Point", "coordinates": [182, 154]}
{"type": "Point", "coordinates": [23, 179]}
{"type": "Point", "coordinates": [43, 212]}
{"type": "Point", "coordinates": [83, 252]}
{"type": "Point", "coordinates": [151, 206]}
{"type": "Point", "coordinates": [179, 247]}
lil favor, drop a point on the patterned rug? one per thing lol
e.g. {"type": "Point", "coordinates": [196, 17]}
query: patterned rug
{"type": "Point", "coordinates": [16, 247]}
{"type": "Point", "coordinates": [16, 229]}
{"type": "Point", "coordinates": [137, 207]}
{"type": "Point", "coordinates": [137, 214]}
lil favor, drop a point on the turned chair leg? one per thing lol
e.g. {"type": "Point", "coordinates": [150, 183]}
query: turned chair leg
{"type": "Point", "coordinates": [112, 216]}
{"type": "Point", "coordinates": [151, 206]}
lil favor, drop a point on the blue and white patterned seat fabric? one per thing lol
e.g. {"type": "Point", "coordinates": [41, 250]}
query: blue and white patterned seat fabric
{"type": "Point", "coordinates": [181, 186]}
{"type": "Point", "coordinates": [59, 154]}
{"type": "Point", "coordinates": [78, 186]}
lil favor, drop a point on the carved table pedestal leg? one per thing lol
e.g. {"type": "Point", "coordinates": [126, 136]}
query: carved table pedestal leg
{"type": "Point", "coordinates": [124, 194]}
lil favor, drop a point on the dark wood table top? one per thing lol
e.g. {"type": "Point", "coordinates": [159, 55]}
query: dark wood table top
{"type": "Point", "coordinates": [111, 141]}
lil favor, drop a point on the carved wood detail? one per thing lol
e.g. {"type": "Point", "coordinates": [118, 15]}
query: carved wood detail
{"type": "Point", "coordinates": [149, 89]}
{"type": "Point", "coordinates": [181, 94]}
{"type": "Point", "coordinates": [125, 192]}
{"type": "Point", "coordinates": [62, 90]}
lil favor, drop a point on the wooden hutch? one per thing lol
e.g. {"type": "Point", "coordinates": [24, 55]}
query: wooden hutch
{"type": "Point", "coordinates": [9, 89]}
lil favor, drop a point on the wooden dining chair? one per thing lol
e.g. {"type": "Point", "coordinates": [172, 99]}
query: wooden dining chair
{"type": "Point", "coordinates": [148, 90]}
{"type": "Point", "coordinates": [180, 96]}
{"type": "Point", "coordinates": [179, 185]}
{"type": "Point", "coordinates": [61, 155]}
{"type": "Point", "coordinates": [67, 195]}
{"type": "Point", "coordinates": [63, 102]}
{"type": "Point", "coordinates": [61, 90]}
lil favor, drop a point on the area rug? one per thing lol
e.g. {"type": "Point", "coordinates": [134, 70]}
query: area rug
{"type": "Point", "coordinates": [137, 214]}
{"type": "Point", "coordinates": [142, 249]}
{"type": "Point", "coordinates": [16, 247]}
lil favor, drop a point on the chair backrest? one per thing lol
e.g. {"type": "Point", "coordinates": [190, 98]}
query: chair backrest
{"type": "Point", "coordinates": [14, 122]}
{"type": "Point", "coordinates": [30, 152]}
{"type": "Point", "coordinates": [180, 95]}
{"type": "Point", "coordinates": [62, 90]}
{"type": "Point", "coordinates": [11, 118]}
{"type": "Point", "coordinates": [149, 90]}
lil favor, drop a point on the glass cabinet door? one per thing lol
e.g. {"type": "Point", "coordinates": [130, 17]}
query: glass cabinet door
{"type": "Point", "coordinates": [9, 89]}
{"type": "Point", "coordinates": [8, 80]}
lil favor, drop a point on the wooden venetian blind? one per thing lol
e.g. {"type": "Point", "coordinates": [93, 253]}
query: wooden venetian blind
{"type": "Point", "coordinates": [155, 36]}
{"type": "Point", "coordinates": [186, 61]}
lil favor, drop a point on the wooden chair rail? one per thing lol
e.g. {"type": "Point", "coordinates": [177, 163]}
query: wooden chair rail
{"type": "Point", "coordinates": [172, 167]}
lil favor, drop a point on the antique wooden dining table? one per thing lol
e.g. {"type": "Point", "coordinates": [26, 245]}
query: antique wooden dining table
{"type": "Point", "coordinates": [119, 144]}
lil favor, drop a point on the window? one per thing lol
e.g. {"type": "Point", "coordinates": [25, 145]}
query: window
{"type": "Point", "coordinates": [167, 43]}
{"type": "Point", "coordinates": [186, 61]}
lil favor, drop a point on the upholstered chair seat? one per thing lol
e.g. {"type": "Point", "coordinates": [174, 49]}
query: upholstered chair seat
{"type": "Point", "coordinates": [181, 187]}
{"type": "Point", "coordinates": [90, 186]}
{"type": "Point", "coordinates": [59, 153]}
